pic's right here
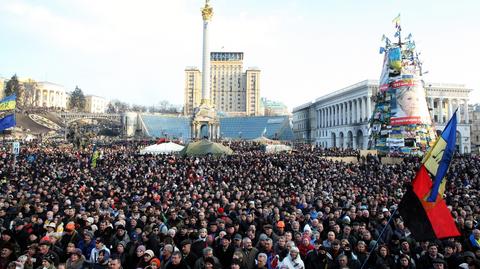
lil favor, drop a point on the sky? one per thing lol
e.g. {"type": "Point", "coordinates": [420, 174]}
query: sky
{"type": "Point", "coordinates": [137, 50]}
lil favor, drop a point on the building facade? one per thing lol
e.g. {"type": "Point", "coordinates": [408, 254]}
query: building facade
{"type": "Point", "coordinates": [474, 114]}
{"type": "Point", "coordinates": [193, 90]}
{"type": "Point", "coordinates": [272, 108]}
{"type": "Point", "coordinates": [341, 118]}
{"type": "Point", "coordinates": [39, 94]}
{"type": "Point", "coordinates": [303, 122]}
{"type": "Point", "coordinates": [232, 91]}
{"type": "Point", "coordinates": [50, 95]}
{"type": "Point", "coordinates": [95, 104]}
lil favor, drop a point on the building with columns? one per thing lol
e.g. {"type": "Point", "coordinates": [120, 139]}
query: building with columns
{"type": "Point", "coordinates": [341, 118]}
{"type": "Point", "coordinates": [39, 94]}
{"type": "Point", "coordinates": [50, 95]}
{"type": "Point", "coordinates": [474, 117]}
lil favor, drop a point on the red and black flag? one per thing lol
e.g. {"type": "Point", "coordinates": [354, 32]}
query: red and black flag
{"type": "Point", "coordinates": [422, 207]}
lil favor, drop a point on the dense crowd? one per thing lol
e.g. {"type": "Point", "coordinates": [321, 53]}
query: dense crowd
{"type": "Point", "coordinates": [244, 211]}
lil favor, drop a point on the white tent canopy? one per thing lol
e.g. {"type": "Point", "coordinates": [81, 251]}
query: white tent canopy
{"type": "Point", "coordinates": [163, 148]}
{"type": "Point", "coordinates": [277, 148]}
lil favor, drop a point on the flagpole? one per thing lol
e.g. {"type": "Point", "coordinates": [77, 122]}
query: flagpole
{"type": "Point", "coordinates": [376, 241]}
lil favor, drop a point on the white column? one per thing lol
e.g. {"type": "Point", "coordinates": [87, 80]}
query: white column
{"type": "Point", "coordinates": [205, 65]}
{"type": "Point", "coordinates": [450, 109]}
{"type": "Point", "coordinates": [330, 117]}
{"type": "Point", "coordinates": [327, 117]}
{"type": "Point", "coordinates": [354, 111]}
{"type": "Point", "coordinates": [321, 118]}
{"type": "Point", "coordinates": [369, 107]}
{"type": "Point", "coordinates": [466, 117]}
{"type": "Point", "coordinates": [40, 99]}
{"type": "Point", "coordinates": [362, 105]}
{"type": "Point", "coordinates": [358, 110]}
{"type": "Point", "coordinates": [324, 117]}
{"type": "Point", "coordinates": [337, 114]}
{"type": "Point", "coordinates": [334, 115]}
{"type": "Point", "coordinates": [459, 114]}
{"type": "Point", "coordinates": [345, 117]}
{"type": "Point", "coordinates": [350, 114]}
{"type": "Point", "coordinates": [431, 107]}
{"type": "Point", "coordinates": [440, 102]}
{"type": "Point", "coordinates": [342, 113]}
{"type": "Point", "coordinates": [347, 113]}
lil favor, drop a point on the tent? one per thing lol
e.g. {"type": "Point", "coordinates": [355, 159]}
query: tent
{"type": "Point", "coordinates": [204, 147]}
{"type": "Point", "coordinates": [163, 148]}
{"type": "Point", "coordinates": [277, 148]}
{"type": "Point", "coordinates": [264, 141]}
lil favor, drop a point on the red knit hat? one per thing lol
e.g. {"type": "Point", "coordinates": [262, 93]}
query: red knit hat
{"type": "Point", "coordinates": [156, 261]}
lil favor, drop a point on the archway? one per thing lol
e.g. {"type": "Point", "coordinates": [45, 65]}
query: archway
{"type": "Point", "coordinates": [359, 139]}
{"type": "Point", "coordinates": [334, 140]}
{"type": "Point", "coordinates": [349, 139]}
{"type": "Point", "coordinates": [340, 143]}
{"type": "Point", "coordinates": [204, 131]}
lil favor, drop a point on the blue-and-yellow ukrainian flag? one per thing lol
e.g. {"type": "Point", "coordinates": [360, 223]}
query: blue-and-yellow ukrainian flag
{"type": "Point", "coordinates": [7, 112]}
{"type": "Point", "coordinates": [8, 103]}
{"type": "Point", "coordinates": [438, 159]}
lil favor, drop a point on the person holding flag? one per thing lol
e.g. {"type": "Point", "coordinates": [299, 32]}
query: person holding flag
{"type": "Point", "coordinates": [422, 207]}
{"type": "Point", "coordinates": [95, 156]}
{"type": "Point", "coordinates": [7, 112]}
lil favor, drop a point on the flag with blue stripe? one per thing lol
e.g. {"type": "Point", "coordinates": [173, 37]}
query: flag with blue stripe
{"type": "Point", "coordinates": [7, 122]}
{"type": "Point", "coordinates": [8, 103]}
{"type": "Point", "coordinates": [438, 159]}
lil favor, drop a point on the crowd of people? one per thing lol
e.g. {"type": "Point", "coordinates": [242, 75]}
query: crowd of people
{"type": "Point", "coordinates": [248, 210]}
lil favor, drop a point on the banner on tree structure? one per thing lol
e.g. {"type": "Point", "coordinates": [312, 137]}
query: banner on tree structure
{"type": "Point", "coordinates": [408, 104]}
{"type": "Point", "coordinates": [384, 77]}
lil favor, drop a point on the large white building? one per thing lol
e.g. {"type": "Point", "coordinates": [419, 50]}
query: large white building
{"type": "Point", "coordinates": [95, 104]}
{"type": "Point", "coordinates": [39, 94]}
{"type": "Point", "coordinates": [50, 95]}
{"type": "Point", "coordinates": [340, 119]}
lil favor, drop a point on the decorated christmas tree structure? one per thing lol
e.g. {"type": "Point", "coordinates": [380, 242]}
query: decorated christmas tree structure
{"type": "Point", "coordinates": [401, 122]}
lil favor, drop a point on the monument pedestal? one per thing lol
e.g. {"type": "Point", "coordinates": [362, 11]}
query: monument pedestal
{"type": "Point", "coordinates": [205, 123]}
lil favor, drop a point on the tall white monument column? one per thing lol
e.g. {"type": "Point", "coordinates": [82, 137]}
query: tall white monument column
{"type": "Point", "coordinates": [205, 117]}
{"type": "Point", "coordinates": [207, 13]}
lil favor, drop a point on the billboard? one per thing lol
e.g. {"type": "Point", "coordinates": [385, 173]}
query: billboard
{"type": "Point", "coordinates": [408, 103]}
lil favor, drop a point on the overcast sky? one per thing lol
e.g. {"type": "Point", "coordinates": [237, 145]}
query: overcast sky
{"type": "Point", "coordinates": [136, 51]}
